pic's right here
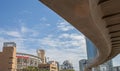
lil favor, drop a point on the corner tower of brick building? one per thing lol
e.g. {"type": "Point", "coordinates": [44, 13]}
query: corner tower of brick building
{"type": "Point", "coordinates": [41, 54]}
{"type": "Point", "coordinates": [8, 57]}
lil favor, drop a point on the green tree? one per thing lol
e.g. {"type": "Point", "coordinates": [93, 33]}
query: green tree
{"type": "Point", "coordinates": [68, 70]}
{"type": "Point", "coordinates": [30, 68]}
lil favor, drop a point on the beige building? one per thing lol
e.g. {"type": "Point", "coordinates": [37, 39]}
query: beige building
{"type": "Point", "coordinates": [41, 54]}
{"type": "Point", "coordinates": [8, 57]}
{"type": "Point", "coordinates": [9, 61]}
{"type": "Point", "coordinates": [52, 66]}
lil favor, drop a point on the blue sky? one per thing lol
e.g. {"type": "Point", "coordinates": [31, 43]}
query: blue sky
{"type": "Point", "coordinates": [33, 26]}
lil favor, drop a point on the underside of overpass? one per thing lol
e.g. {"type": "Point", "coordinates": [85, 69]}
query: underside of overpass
{"type": "Point", "coordinates": [99, 20]}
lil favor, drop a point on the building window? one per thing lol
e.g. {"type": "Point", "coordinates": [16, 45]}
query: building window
{"type": "Point", "coordinates": [11, 57]}
{"type": "Point", "coordinates": [25, 60]}
{"type": "Point", "coordinates": [10, 62]}
{"type": "Point", "coordinates": [9, 68]}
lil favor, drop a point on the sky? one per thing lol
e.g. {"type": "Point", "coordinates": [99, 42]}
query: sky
{"type": "Point", "coordinates": [32, 25]}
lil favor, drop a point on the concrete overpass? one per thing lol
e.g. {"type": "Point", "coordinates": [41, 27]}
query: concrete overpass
{"type": "Point", "coordinates": [99, 20]}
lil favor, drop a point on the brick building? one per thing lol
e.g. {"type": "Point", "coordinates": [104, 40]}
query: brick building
{"type": "Point", "coordinates": [8, 57]}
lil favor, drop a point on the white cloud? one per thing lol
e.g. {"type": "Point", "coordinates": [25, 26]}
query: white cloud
{"type": "Point", "coordinates": [65, 46]}
{"type": "Point", "coordinates": [63, 41]}
{"type": "Point", "coordinates": [43, 19]}
{"type": "Point", "coordinates": [64, 26]}
{"type": "Point", "coordinates": [47, 24]}
{"type": "Point", "coordinates": [50, 42]}
{"type": "Point", "coordinates": [1, 43]}
{"type": "Point", "coordinates": [73, 49]}
{"type": "Point", "coordinates": [18, 41]}
{"type": "Point", "coordinates": [71, 43]}
{"type": "Point", "coordinates": [27, 50]}
{"type": "Point", "coordinates": [25, 12]}
{"type": "Point", "coordinates": [62, 55]}
{"type": "Point", "coordinates": [72, 36]}
{"type": "Point", "coordinates": [25, 31]}
{"type": "Point", "coordinates": [13, 33]}
{"type": "Point", "coordinates": [20, 45]}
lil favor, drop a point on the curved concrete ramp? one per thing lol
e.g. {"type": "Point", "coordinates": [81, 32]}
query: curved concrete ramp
{"type": "Point", "coordinates": [99, 20]}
